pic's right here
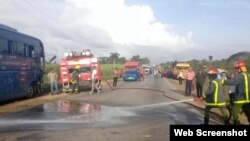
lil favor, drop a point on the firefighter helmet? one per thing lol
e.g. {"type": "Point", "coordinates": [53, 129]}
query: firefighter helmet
{"type": "Point", "coordinates": [212, 70]}
{"type": "Point", "coordinates": [77, 67]}
{"type": "Point", "coordinates": [239, 64]}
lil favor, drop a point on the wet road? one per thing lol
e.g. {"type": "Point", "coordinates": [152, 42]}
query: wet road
{"type": "Point", "coordinates": [134, 111]}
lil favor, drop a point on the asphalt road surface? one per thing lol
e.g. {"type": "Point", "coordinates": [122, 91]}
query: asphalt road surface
{"type": "Point", "coordinates": [132, 111]}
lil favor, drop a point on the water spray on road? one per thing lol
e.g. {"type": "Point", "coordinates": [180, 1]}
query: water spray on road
{"type": "Point", "coordinates": [157, 105]}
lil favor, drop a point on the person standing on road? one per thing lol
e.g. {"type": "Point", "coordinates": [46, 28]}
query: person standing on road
{"type": "Point", "coordinates": [232, 89]}
{"type": "Point", "coordinates": [180, 77]}
{"type": "Point", "coordinates": [190, 75]}
{"type": "Point", "coordinates": [98, 81]}
{"type": "Point", "coordinates": [52, 78]}
{"type": "Point", "coordinates": [200, 78]}
{"type": "Point", "coordinates": [242, 96]}
{"type": "Point", "coordinates": [75, 79]}
{"type": "Point", "coordinates": [141, 73]}
{"type": "Point", "coordinates": [94, 80]}
{"type": "Point", "coordinates": [115, 77]}
{"type": "Point", "coordinates": [214, 96]}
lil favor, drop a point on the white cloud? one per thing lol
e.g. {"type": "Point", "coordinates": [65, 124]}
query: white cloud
{"type": "Point", "coordinates": [102, 25]}
{"type": "Point", "coordinates": [126, 24]}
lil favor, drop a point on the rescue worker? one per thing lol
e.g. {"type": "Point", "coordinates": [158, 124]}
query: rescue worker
{"type": "Point", "coordinates": [241, 97]}
{"type": "Point", "coordinates": [214, 96]}
{"type": "Point", "coordinates": [94, 80]}
{"type": "Point", "coordinates": [115, 77]}
{"type": "Point", "coordinates": [75, 79]}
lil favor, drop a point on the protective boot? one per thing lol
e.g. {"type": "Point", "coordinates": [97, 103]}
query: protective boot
{"type": "Point", "coordinates": [236, 122]}
{"type": "Point", "coordinates": [206, 121]}
{"type": "Point", "coordinates": [226, 122]}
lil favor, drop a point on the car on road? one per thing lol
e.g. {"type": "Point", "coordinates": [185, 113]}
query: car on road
{"type": "Point", "coordinates": [131, 75]}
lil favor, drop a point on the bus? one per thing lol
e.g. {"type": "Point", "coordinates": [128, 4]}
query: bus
{"type": "Point", "coordinates": [22, 63]}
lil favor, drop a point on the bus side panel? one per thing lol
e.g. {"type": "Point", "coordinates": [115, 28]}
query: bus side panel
{"type": "Point", "coordinates": [11, 86]}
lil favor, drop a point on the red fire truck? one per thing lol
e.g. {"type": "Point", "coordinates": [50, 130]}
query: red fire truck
{"type": "Point", "coordinates": [86, 61]}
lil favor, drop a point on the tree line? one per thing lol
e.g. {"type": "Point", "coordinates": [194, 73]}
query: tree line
{"type": "Point", "coordinates": [226, 64]}
{"type": "Point", "coordinates": [115, 58]}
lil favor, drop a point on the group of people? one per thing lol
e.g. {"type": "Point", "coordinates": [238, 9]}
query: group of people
{"type": "Point", "coordinates": [95, 80]}
{"type": "Point", "coordinates": [239, 93]}
{"type": "Point", "coordinates": [53, 80]}
{"type": "Point", "coordinates": [239, 90]}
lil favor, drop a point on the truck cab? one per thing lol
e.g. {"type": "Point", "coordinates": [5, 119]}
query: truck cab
{"type": "Point", "coordinates": [131, 71]}
{"type": "Point", "coordinates": [86, 61]}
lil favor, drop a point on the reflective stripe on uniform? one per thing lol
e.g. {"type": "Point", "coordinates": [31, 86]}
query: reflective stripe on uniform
{"type": "Point", "coordinates": [246, 91]}
{"type": "Point", "coordinates": [216, 96]}
{"type": "Point", "coordinates": [216, 91]}
{"type": "Point", "coordinates": [246, 86]}
{"type": "Point", "coordinates": [216, 104]}
{"type": "Point", "coordinates": [242, 101]}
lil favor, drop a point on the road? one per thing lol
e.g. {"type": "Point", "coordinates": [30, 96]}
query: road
{"type": "Point", "coordinates": [133, 111]}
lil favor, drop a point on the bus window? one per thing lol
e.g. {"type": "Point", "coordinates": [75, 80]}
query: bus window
{"type": "Point", "coordinates": [3, 46]}
{"type": "Point", "coordinates": [11, 47]}
{"type": "Point", "coordinates": [26, 50]}
{"type": "Point", "coordinates": [31, 51]}
{"type": "Point", "coordinates": [20, 49]}
{"type": "Point", "coordinates": [37, 51]}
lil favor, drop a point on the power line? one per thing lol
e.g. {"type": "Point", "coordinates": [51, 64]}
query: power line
{"type": "Point", "coordinates": [49, 26]}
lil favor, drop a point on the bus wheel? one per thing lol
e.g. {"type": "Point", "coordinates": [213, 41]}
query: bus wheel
{"type": "Point", "coordinates": [30, 91]}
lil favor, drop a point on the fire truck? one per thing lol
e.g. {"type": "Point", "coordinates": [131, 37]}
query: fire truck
{"type": "Point", "coordinates": [131, 71]}
{"type": "Point", "coordinates": [86, 61]}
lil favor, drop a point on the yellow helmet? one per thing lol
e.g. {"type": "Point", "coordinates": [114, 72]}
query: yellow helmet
{"type": "Point", "coordinates": [77, 67]}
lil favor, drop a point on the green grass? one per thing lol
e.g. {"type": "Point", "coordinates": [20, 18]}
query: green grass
{"type": "Point", "coordinates": [107, 70]}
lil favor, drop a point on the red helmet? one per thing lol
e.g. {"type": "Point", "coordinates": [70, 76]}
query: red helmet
{"type": "Point", "coordinates": [212, 70]}
{"type": "Point", "coordinates": [239, 63]}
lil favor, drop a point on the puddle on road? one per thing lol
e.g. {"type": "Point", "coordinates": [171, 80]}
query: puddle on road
{"type": "Point", "coordinates": [71, 107]}
{"type": "Point", "coordinates": [67, 114]}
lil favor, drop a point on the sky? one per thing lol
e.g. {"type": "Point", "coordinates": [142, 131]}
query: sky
{"type": "Point", "coordinates": [162, 30]}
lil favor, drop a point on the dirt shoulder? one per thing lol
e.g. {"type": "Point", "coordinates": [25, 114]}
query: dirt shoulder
{"type": "Point", "coordinates": [23, 104]}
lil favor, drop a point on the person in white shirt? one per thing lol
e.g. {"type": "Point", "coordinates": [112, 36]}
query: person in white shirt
{"type": "Point", "coordinates": [94, 79]}
{"type": "Point", "coordinates": [52, 78]}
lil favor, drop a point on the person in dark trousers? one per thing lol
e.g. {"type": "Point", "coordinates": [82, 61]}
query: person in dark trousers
{"type": "Point", "coordinates": [75, 79]}
{"type": "Point", "coordinates": [200, 78]}
{"type": "Point", "coordinates": [190, 75]}
{"type": "Point", "coordinates": [241, 95]}
{"type": "Point", "coordinates": [115, 77]}
{"type": "Point", "coordinates": [214, 96]}
{"type": "Point", "coordinates": [232, 89]}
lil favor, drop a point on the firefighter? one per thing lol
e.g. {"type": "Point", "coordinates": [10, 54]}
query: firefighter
{"type": "Point", "coordinates": [75, 79]}
{"type": "Point", "coordinates": [214, 96]}
{"type": "Point", "coordinates": [241, 97]}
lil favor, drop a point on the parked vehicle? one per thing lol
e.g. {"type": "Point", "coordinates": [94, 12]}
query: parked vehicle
{"type": "Point", "coordinates": [131, 75]}
{"type": "Point", "coordinates": [86, 61]}
{"type": "Point", "coordinates": [131, 71]}
{"type": "Point", "coordinates": [22, 64]}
